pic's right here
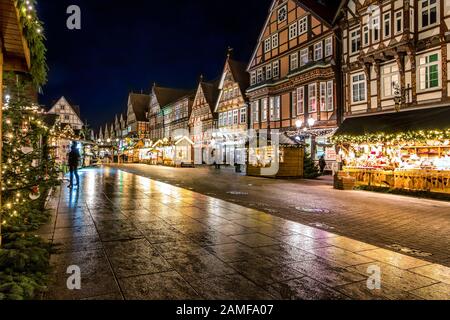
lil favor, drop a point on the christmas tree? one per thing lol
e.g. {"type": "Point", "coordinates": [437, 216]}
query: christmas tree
{"type": "Point", "coordinates": [28, 172]}
{"type": "Point", "coordinates": [310, 168]}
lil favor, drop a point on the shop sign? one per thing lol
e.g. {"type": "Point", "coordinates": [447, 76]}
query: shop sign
{"type": "Point", "coordinates": [330, 154]}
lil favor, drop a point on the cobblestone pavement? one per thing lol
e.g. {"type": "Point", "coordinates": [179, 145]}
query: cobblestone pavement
{"type": "Point", "coordinates": [137, 238]}
{"type": "Point", "coordinates": [416, 227]}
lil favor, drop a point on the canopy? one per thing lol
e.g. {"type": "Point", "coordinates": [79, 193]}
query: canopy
{"type": "Point", "coordinates": [392, 123]}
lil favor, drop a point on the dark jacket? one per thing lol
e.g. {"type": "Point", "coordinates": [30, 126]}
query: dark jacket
{"type": "Point", "coordinates": [74, 158]}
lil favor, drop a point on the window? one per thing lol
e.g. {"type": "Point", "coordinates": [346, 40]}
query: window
{"type": "Point", "coordinates": [264, 109]}
{"type": "Point", "coordinates": [220, 119]}
{"type": "Point", "coordinates": [359, 88]}
{"type": "Point", "coordinates": [275, 108]}
{"type": "Point", "coordinates": [267, 45]}
{"type": "Point", "coordinates": [428, 13]}
{"type": "Point", "coordinates": [230, 118]}
{"type": "Point", "coordinates": [411, 19]}
{"type": "Point", "coordinates": [355, 40]}
{"type": "Point", "coordinates": [330, 96]}
{"type": "Point", "coordinates": [323, 96]}
{"type": "Point", "coordinates": [276, 69]}
{"type": "Point", "coordinates": [387, 25]}
{"type": "Point", "coordinates": [318, 52]}
{"type": "Point", "coordinates": [268, 72]}
{"type": "Point", "coordinates": [294, 61]}
{"type": "Point", "coordinates": [282, 14]}
{"type": "Point", "coordinates": [243, 114]}
{"type": "Point", "coordinates": [328, 47]}
{"type": "Point", "coordinates": [255, 112]}
{"type": "Point", "coordinates": [235, 116]}
{"type": "Point", "coordinates": [429, 71]}
{"type": "Point", "coordinates": [300, 100]}
{"type": "Point", "coordinates": [304, 57]}
{"type": "Point", "coordinates": [390, 79]}
{"type": "Point", "coordinates": [259, 76]}
{"type": "Point", "coordinates": [376, 29]}
{"type": "Point", "coordinates": [366, 36]}
{"type": "Point", "coordinates": [398, 22]}
{"type": "Point", "coordinates": [303, 25]}
{"type": "Point", "coordinates": [312, 97]}
{"type": "Point", "coordinates": [275, 41]}
{"type": "Point", "coordinates": [293, 31]}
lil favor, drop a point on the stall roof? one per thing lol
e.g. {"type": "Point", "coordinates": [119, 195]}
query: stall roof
{"type": "Point", "coordinates": [416, 120]}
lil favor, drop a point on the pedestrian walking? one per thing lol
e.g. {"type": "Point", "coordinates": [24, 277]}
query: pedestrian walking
{"type": "Point", "coordinates": [322, 164]}
{"type": "Point", "coordinates": [74, 160]}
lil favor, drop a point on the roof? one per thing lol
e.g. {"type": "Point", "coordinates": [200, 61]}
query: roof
{"type": "Point", "coordinates": [405, 121]}
{"type": "Point", "coordinates": [140, 104]}
{"type": "Point", "coordinates": [166, 96]}
{"type": "Point", "coordinates": [75, 107]}
{"type": "Point", "coordinates": [240, 74]}
{"type": "Point", "coordinates": [211, 92]}
{"type": "Point", "coordinates": [325, 9]}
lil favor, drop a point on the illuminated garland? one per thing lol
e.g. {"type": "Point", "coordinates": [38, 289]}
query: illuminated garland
{"type": "Point", "coordinates": [34, 34]}
{"type": "Point", "coordinates": [418, 136]}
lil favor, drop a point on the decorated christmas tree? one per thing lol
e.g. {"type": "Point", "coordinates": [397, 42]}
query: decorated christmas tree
{"type": "Point", "coordinates": [28, 172]}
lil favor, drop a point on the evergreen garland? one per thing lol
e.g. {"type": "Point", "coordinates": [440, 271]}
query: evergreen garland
{"type": "Point", "coordinates": [33, 33]}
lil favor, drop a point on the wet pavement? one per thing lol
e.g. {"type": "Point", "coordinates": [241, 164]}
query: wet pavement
{"type": "Point", "coordinates": [134, 238]}
{"type": "Point", "coordinates": [416, 227]}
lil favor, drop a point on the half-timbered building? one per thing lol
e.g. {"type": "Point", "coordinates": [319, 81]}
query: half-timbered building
{"type": "Point", "coordinates": [68, 114]}
{"type": "Point", "coordinates": [137, 122]}
{"type": "Point", "coordinates": [295, 75]}
{"type": "Point", "coordinates": [397, 92]}
{"type": "Point", "coordinates": [233, 112]}
{"type": "Point", "coordinates": [203, 120]}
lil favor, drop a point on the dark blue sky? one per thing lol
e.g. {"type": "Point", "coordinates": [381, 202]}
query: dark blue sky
{"type": "Point", "coordinates": [126, 46]}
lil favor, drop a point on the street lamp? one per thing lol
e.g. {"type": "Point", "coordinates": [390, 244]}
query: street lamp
{"type": "Point", "coordinates": [298, 124]}
{"type": "Point", "coordinates": [311, 122]}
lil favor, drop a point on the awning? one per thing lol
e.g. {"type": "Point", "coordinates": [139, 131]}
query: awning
{"type": "Point", "coordinates": [393, 123]}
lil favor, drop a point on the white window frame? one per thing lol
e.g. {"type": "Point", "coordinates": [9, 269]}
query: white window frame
{"type": "Point", "coordinates": [293, 31]}
{"type": "Point", "coordinates": [243, 116]}
{"type": "Point", "coordinates": [220, 119]}
{"type": "Point", "coordinates": [293, 65]}
{"type": "Point", "coordinates": [267, 45]}
{"type": "Point", "coordinates": [387, 25]}
{"type": "Point", "coordinates": [268, 72]}
{"type": "Point", "coordinates": [411, 20]}
{"type": "Point", "coordinates": [259, 75]}
{"type": "Point", "coordinates": [275, 41]}
{"type": "Point", "coordinates": [428, 8]}
{"type": "Point", "coordinates": [355, 35]}
{"type": "Point", "coordinates": [304, 53]}
{"type": "Point", "coordinates": [278, 14]}
{"type": "Point", "coordinates": [365, 36]}
{"type": "Point", "coordinates": [318, 51]}
{"type": "Point", "coordinates": [323, 97]}
{"type": "Point", "coordinates": [328, 47]}
{"type": "Point", "coordinates": [376, 30]}
{"type": "Point", "coordinates": [235, 117]}
{"type": "Point", "coordinates": [398, 19]}
{"type": "Point", "coordinates": [230, 118]}
{"type": "Point", "coordinates": [303, 25]}
{"type": "Point", "coordinates": [264, 109]}
{"type": "Point", "coordinates": [389, 74]}
{"type": "Point", "coordinates": [358, 82]}
{"type": "Point", "coordinates": [276, 69]}
{"type": "Point", "coordinates": [300, 100]}
{"type": "Point", "coordinates": [255, 112]}
{"type": "Point", "coordinates": [424, 68]}
{"type": "Point", "coordinates": [330, 96]}
{"type": "Point", "coordinates": [312, 97]}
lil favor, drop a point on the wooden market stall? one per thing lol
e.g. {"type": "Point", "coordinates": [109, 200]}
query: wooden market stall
{"type": "Point", "coordinates": [406, 150]}
{"type": "Point", "coordinates": [289, 152]}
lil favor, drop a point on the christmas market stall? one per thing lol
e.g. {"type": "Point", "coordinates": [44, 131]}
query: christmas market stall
{"type": "Point", "coordinates": [183, 152]}
{"type": "Point", "coordinates": [405, 150]}
{"type": "Point", "coordinates": [290, 154]}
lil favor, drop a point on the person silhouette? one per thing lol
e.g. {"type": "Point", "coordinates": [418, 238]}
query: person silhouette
{"type": "Point", "coordinates": [74, 160]}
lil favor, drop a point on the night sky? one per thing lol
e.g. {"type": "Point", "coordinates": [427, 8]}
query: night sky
{"type": "Point", "coordinates": [127, 46]}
